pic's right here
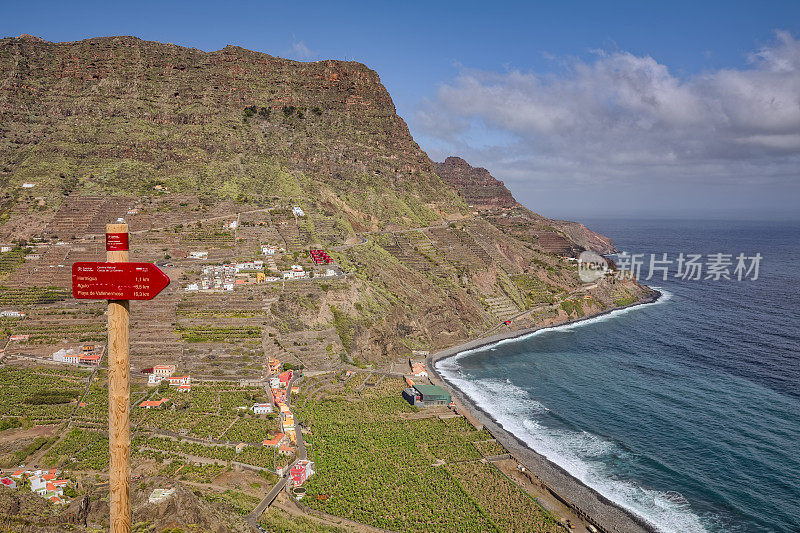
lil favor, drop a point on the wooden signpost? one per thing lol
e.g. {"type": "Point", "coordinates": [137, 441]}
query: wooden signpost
{"type": "Point", "coordinates": [118, 281]}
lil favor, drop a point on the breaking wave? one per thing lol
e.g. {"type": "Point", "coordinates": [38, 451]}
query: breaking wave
{"type": "Point", "coordinates": [586, 456]}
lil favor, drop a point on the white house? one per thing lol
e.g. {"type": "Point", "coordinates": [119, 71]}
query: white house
{"type": "Point", "coordinates": [198, 255]}
{"type": "Point", "coordinates": [262, 408]}
{"type": "Point", "coordinates": [298, 212]}
{"type": "Point", "coordinates": [5, 248]}
{"type": "Point", "coordinates": [298, 271]}
{"type": "Point", "coordinates": [268, 250]}
{"type": "Point", "coordinates": [193, 287]}
{"type": "Point", "coordinates": [28, 185]}
{"type": "Point", "coordinates": [37, 484]}
{"type": "Point", "coordinates": [164, 371]}
{"type": "Point", "coordinates": [250, 265]}
{"type": "Point", "coordinates": [179, 380]}
{"type": "Point", "coordinates": [12, 314]}
{"type": "Point", "coordinates": [61, 355]}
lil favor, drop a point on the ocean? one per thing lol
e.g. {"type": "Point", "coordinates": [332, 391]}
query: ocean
{"type": "Point", "coordinates": [685, 411]}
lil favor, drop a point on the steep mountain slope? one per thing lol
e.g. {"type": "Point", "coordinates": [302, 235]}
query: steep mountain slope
{"type": "Point", "coordinates": [119, 115]}
{"type": "Point", "coordinates": [219, 153]}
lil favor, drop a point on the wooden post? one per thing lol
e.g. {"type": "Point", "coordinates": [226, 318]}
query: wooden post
{"type": "Point", "coordinates": [119, 430]}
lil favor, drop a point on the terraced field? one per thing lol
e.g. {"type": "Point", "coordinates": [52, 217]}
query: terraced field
{"type": "Point", "coordinates": [377, 466]}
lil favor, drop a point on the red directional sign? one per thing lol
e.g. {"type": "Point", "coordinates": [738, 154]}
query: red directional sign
{"type": "Point", "coordinates": [93, 280]}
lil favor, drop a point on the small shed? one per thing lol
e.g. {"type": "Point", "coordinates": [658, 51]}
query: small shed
{"type": "Point", "coordinates": [426, 395]}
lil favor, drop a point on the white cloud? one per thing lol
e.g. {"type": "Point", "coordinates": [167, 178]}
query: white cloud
{"type": "Point", "coordinates": [301, 51]}
{"type": "Point", "coordinates": [622, 117]}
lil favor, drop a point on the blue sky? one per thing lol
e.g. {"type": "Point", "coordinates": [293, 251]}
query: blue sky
{"type": "Point", "coordinates": [448, 64]}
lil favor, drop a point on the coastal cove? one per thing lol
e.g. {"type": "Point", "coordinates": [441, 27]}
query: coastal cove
{"type": "Point", "coordinates": [586, 501]}
{"type": "Point", "coordinates": [684, 413]}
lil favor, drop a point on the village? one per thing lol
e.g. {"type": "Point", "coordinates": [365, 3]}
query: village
{"type": "Point", "coordinates": [228, 276]}
{"type": "Point", "coordinates": [265, 441]}
{"type": "Point", "coordinates": [44, 483]}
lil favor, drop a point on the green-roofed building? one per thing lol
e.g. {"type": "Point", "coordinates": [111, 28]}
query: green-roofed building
{"type": "Point", "coordinates": [426, 395]}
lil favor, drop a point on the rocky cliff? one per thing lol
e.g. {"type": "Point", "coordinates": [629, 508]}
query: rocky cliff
{"type": "Point", "coordinates": [478, 188]}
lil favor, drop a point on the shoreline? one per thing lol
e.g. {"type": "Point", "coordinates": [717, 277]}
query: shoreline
{"type": "Point", "coordinates": [587, 502]}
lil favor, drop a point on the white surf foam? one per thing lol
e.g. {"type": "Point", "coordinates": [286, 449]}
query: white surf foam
{"type": "Point", "coordinates": [451, 362]}
{"type": "Point", "coordinates": [580, 453]}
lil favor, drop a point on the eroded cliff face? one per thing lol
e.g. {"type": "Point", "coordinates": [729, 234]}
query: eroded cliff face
{"type": "Point", "coordinates": [478, 188]}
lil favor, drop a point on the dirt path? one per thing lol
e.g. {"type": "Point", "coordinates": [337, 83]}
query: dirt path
{"type": "Point", "coordinates": [290, 506]}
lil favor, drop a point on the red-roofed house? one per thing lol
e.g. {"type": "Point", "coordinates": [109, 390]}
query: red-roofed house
{"type": "Point", "coordinates": [275, 366]}
{"type": "Point", "coordinates": [274, 441]}
{"type": "Point", "coordinates": [262, 408]}
{"type": "Point", "coordinates": [418, 369]}
{"type": "Point", "coordinates": [279, 395]}
{"type": "Point", "coordinates": [8, 482]}
{"type": "Point", "coordinates": [153, 404]}
{"type": "Point", "coordinates": [285, 450]}
{"type": "Point", "coordinates": [179, 380]}
{"type": "Point", "coordinates": [164, 371]}
{"type": "Point", "coordinates": [89, 359]}
{"type": "Point", "coordinates": [285, 377]}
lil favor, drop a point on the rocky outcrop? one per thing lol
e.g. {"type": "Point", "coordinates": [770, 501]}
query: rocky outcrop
{"type": "Point", "coordinates": [586, 238]}
{"type": "Point", "coordinates": [478, 188]}
{"type": "Point", "coordinates": [484, 192]}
